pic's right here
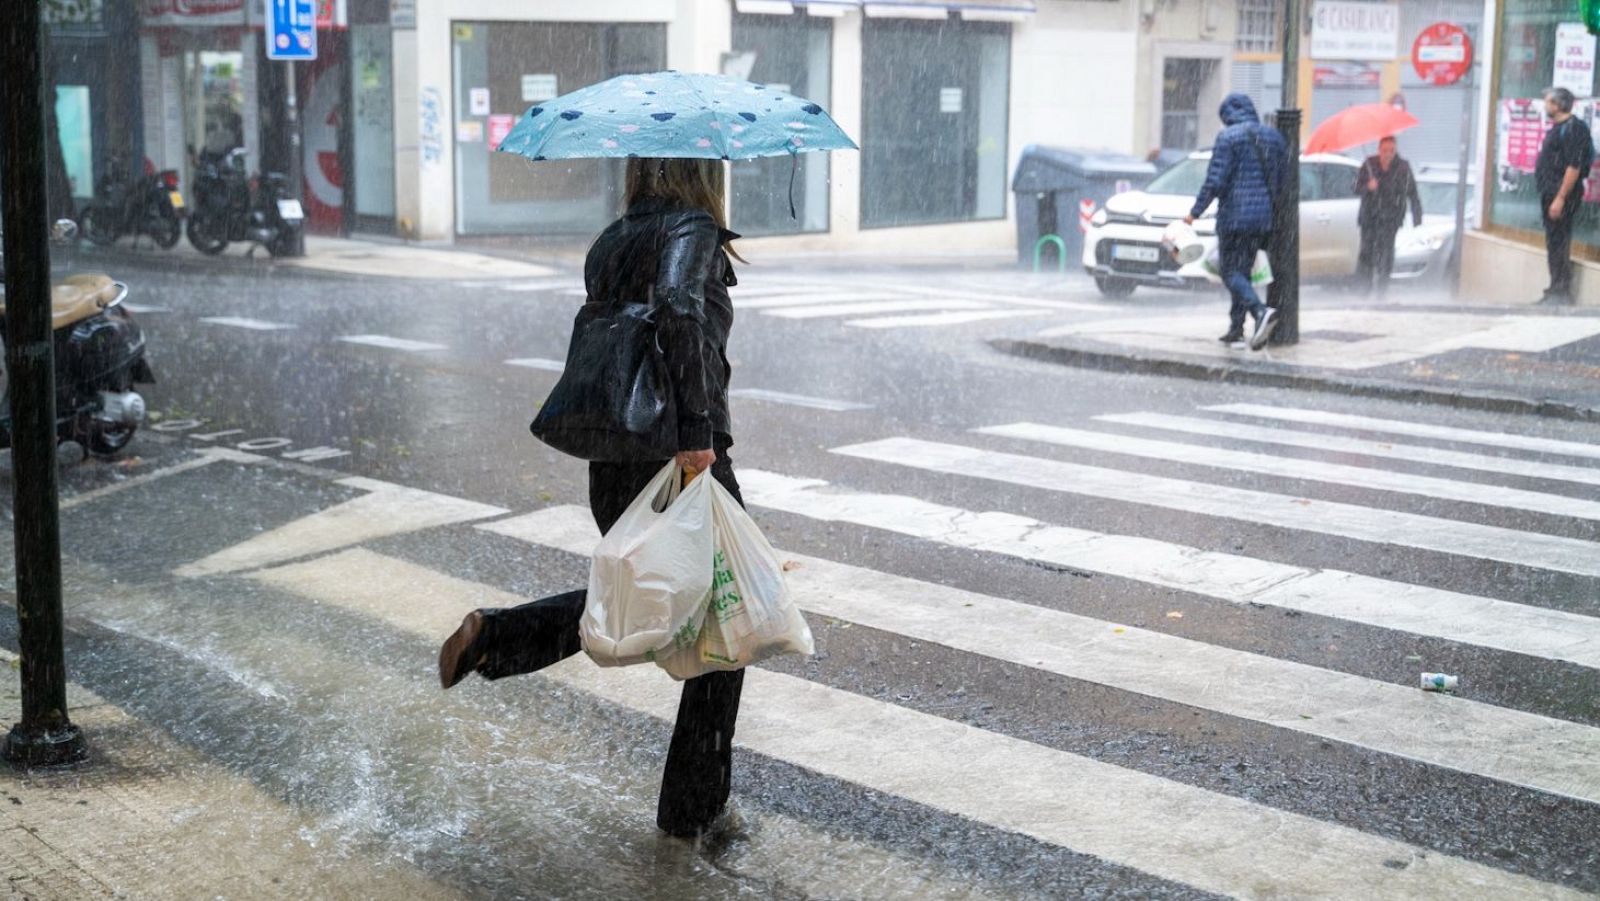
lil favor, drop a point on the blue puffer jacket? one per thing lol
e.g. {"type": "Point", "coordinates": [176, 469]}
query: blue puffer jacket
{"type": "Point", "coordinates": [1235, 180]}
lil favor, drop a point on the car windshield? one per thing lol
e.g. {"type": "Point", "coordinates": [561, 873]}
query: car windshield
{"type": "Point", "coordinates": [1184, 178]}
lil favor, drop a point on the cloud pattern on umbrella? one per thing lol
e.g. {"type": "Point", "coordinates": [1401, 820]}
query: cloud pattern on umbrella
{"type": "Point", "coordinates": [674, 114]}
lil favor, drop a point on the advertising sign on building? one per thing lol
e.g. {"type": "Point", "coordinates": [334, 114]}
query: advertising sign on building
{"type": "Point", "coordinates": [1574, 59]}
{"type": "Point", "coordinates": [1341, 29]}
{"type": "Point", "coordinates": [191, 13]}
{"type": "Point", "coordinates": [539, 86]}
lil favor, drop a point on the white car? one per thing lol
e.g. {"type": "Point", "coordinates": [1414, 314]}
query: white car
{"type": "Point", "coordinates": [1122, 249]}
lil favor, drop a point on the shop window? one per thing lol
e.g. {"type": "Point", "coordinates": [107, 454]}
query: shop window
{"type": "Point", "coordinates": [935, 99]}
{"type": "Point", "coordinates": [1527, 54]}
{"type": "Point", "coordinates": [77, 146]}
{"type": "Point", "coordinates": [792, 53]}
{"type": "Point", "coordinates": [503, 68]}
{"type": "Point", "coordinates": [372, 97]}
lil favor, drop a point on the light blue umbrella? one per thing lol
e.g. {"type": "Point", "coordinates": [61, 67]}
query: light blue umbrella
{"type": "Point", "coordinates": [674, 114]}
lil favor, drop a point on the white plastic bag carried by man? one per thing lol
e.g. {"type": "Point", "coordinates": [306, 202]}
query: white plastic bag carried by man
{"type": "Point", "coordinates": [686, 580]}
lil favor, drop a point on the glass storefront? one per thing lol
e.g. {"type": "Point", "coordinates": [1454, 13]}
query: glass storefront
{"type": "Point", "coordinates": [1525, 67]}
{"type": "Point", "coordinates": [794, 54]}
{"type": "Point", "coordinates": [372, 128]}
{"type": "Point", "coordinates": [500, 70]}
{"type": "Point", "coordinates": [934, 120]}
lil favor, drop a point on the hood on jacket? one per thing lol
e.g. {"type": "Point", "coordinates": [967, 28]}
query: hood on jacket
{"type": "Point", "coordinates": [1238, 109]}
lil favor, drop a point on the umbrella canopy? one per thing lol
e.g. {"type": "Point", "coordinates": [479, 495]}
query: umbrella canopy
{"type": "Point", "coordinates": [674, 114]}
{"type": "Point", "coordinates": [1359, 125]}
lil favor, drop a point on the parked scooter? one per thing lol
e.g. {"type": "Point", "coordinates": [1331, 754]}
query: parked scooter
{"type": "Point", "coordinates": [99, 357]}
{"type": "Point", "coordinates": [148, 205]}
{"type": "Point", "coordinates": [228, 206]}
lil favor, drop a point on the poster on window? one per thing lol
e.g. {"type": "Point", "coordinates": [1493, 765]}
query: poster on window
{"type": "Point", "coordinates": [1574, 59]}
{"type": "Point", "coordinates": [1522, 126]}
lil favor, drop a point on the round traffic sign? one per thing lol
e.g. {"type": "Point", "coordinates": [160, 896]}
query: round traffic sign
{"type": "Point", "coordinates": [1442, 53]}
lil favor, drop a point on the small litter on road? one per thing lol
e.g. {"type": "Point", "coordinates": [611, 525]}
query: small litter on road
{"type": "Point", "coordinates": [1439, 682]}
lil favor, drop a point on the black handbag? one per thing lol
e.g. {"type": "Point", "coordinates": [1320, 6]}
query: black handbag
{"type": "Point", "coordinates": [614, 401]}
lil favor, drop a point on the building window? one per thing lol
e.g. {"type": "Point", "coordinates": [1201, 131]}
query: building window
{"type": "Point", "coordinates": [792, 54]}
{"type": "Point", "coordinates": [1526, 52]}
{"type": "Point", "coordinates": [935, 104]}
{"type": "Point", "coordinates": [1260, 26]}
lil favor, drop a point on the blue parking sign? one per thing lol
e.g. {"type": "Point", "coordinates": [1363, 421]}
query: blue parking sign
{"type": "Point", "coordinates": [291, 29]}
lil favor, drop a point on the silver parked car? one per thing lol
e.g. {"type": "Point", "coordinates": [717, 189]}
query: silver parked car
{"type": "Point", "coordinates": [1122, 249]}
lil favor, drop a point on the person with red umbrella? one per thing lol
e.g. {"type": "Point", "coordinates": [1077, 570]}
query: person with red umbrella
{"type": "Point", "coordinates": [1384, 184]}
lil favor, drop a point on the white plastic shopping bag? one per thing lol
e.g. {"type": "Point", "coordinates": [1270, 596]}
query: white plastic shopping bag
{"type": "Point", "coordinates": [750, 616]}
{"type": "Point", "coordinates": [1181, 243]}
{"type": "Point", "coordinates": [1260, 273]}
{"type": "Point", "coordinates": [651, 573]}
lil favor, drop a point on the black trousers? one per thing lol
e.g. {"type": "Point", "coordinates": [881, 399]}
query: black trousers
{"type": "Point", "coordinates": [1376, 262]}
{"type": "Point", "coordinates": [530, 637]}
{"type": "Point", "coordinates": [1558, 242]}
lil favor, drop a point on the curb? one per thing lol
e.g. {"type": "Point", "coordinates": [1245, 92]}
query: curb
{"type": "Point", "coordinates": [1107, 359]}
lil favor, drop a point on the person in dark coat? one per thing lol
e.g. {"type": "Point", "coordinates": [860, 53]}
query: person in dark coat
{"type": "Point", "coordinates": [1385, 184]}
{"type": "Point", "coordinates": [671, 240]}
{"type": "Point", "coordinates": [1246, 171]}
{"type": "Point", "coordinates": [1565, 157]}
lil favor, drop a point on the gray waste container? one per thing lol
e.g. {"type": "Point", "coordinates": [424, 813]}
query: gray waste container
{"type": "Point", "coordinates": [1050, 184]}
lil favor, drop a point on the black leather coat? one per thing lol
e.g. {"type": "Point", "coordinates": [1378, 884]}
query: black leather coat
{"type": "Point", "coordinates": [674, 257]}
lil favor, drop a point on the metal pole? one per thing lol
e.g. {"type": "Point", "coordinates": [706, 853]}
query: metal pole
{"type": "Point", "coordinates": [1468, 100]}
{"type": "Point", "coordinates": [45, 737]}
{"type": "Point", "coordinates": [1284, 295]}
{"type": "Point", "coordinates": [296, 171]}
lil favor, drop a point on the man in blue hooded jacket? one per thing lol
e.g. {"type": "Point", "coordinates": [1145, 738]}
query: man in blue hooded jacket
{"type": "Point", "coordinates": [1247, 168]}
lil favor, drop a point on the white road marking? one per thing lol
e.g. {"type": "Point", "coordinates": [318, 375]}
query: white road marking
{"type": "Point", "coordinates": [1308, 470]}
{"type": "Point", "coordinates": [141, 308]}
{"type": "Point", "coordinates": [809, 299]}
{"type": "Point", "coordinates": [1372, 524]}
{"type": "Point", "coordinates": [1212, 841]}
{"type": "Point", "coordinates": [1511, 466]}
{"type": "Point", "coordinates": [205, 458]}
{"type": "Point", "coordinates": [392, 343]}
{"type": "Point", "coordinates": [1525, 749]}
{"type": "Point", "coordinates": [1041, 302]}
{"type": "Point", "coordinates": [1417, 609]}
{"type": "Point", "coordinates": [798, 400]}
{"type": "Point", "coordinates": [521, 286]}
{"type": "Point", "coordinates": [387, 509]}
{"type": "Point", "coordinates": [938, 319]}
{"type": "Point", "coordinates": [1415, 429]}
{"type": "Point", "coordinates": [539, 363]}
{"type": "Point", "coordinates": [873, 308]}
{"type": "Point", "coordinates": [258, 325]}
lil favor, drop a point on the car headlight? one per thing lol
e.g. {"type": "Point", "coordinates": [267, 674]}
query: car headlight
{"type": "Point", "coordinates": [1431, 241]}
{"type": "Point", "coordinates": [1099, 217]}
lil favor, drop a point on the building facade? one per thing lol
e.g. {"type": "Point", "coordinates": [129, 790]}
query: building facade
{"type": "Point", "coordinates": [1536, 44]}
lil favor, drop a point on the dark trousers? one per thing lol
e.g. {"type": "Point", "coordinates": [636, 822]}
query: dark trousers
{"type": "Point", "coordinates": [1558, 242]}
{"type": "Point", "coordinates": [529, 637]}
{"type": "Point", "coordinates": [1376, 262]}
{"type": "Point", "coordinates": [1237, 256]}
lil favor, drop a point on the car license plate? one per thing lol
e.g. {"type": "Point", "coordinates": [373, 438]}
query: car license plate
{"type": "Point", "coordinates": [1135, 253]}
{"type": "Point", "coordinates": [290, 210]}
{"type": "Point", "coordinates": [177, 199]}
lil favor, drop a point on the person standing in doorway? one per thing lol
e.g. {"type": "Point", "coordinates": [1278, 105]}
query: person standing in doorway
{"type": "Point", "coordinates": [1385, 184]}
{"type": "Point", "coordinates": [1246, 171]}
{"type": "Point", "coordinates": [1564, 161]}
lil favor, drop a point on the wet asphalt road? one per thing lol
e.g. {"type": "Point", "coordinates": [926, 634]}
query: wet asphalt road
{"type": "Point", "coordinates": [534, 788]}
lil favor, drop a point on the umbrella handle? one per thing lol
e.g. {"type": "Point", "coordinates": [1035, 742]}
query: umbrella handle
{"type": "Point", "coordinates": [794, 168]}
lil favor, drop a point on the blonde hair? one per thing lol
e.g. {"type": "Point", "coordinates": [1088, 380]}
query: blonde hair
{"type": "Point", "coordinates": [693, 183]}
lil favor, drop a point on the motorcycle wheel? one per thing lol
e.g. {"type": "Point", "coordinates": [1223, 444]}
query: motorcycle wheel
{"type": "Point", "coordinates": [105, 440]}
{"type": "Point", "coordinates": [98, 226]}
{"type": "Point", "coordinates": [201, 237]}
{"type": "Point", "coordinates": [282, 245]}
{"type": "Point", "coordinates": [165, 229]}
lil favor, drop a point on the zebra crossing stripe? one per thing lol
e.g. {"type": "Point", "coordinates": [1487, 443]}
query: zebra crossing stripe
{"type": "Point", "coordinates": [392, 342]}
{"type": "Point", "coordinates": [1389, 527]}
{"type": "Point", "coordinates": [1416, 609]}
{"type": "Point", "coordinates": [938, 319]}
{"type": "Point", "coordinates": [387, 509]}
{"type": "Point", "coordinates": [1414, 429]}
{"type": "Point", "coordinates": [539, 363]}
{"type": "Point", "coordinates": [873, 308]}
{"type": "Point", "coordinates": [1308, 470]}
{"type": "Point", "coordinates": [1208, 840]}
{"type": "Point", "coordinates": [1526, 749]}
{"type": "Point", "coordinates": [805, 299]}
{"type": "Point", "coordinates": [244, 322]}
{"type": "Point", "coordinates": [1511, 466]}
{"type": "Point", "coordinates": [799, 400]}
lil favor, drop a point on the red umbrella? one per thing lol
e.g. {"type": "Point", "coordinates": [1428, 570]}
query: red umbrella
{"type": "Point", "coordinates": [1359, 125]}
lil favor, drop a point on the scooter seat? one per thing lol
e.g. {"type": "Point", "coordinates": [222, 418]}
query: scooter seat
{"type": "Point", "coordinates": [76, 298]}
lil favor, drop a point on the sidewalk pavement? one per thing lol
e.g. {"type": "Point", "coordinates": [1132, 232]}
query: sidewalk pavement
{"type": "Point", "coordinates": [1523, 360]}
{"type": "Point", "coordinates": [148, 817]}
